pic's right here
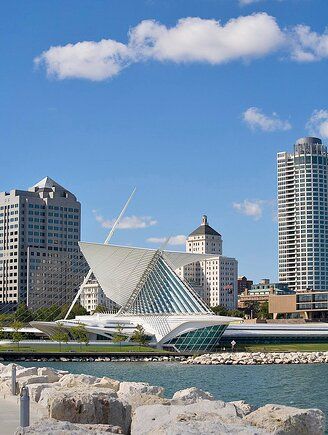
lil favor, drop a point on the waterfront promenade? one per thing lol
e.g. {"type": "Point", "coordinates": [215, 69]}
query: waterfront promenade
{"type": "Point", "coordinates": [9, 414]}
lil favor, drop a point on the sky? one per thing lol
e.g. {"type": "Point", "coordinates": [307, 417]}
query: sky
{"type": "Point", "coordinates": [187, 100]}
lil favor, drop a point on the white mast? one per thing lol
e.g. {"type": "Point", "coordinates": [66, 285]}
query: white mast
{"type": "Point", "coordinates": [108, 238]}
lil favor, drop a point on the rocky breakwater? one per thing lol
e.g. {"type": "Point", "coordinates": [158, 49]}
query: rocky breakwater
{"type": "Point", "coordinates": [251, 358]}
{"type": "Point", "coordinates": [83, 404]}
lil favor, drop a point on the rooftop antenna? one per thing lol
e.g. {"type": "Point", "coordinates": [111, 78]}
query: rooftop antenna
{"type": "Point", "coordinates": [106, 242]}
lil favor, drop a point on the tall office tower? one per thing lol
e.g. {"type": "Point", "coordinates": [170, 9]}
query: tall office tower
{"type": "Point", "coordinates": [303, 215]}
{"type": "Point", "coordinates": [40, 261]}
{"type": "Point", "coordinates": [215, 279]}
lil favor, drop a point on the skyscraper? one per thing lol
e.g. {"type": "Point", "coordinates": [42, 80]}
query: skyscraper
{"type": "Point", "coordinates": [303, 215]}
{"type": "Point", "coordinates": [40, 261]}
{"type": "Point", "coordinates": [214, 279]}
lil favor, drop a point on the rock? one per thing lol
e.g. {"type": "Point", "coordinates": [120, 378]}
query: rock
{"type": "Point", "coordinates": [26, 371]}
{"type": "Point", "coordinates": [55, 427]}
{"type": "Point", "coordinates": [107, 383]}
{"type": "Point", "coordinates": [32, 380]}
{"type": "Point", "coordinates": [280, 420]}
{"type": "Point", "coordinates": [71, 380]}
{"type": "Point", "coordinates": [203, 417]}
{"type": "Point", "coordinates": [242, 407]}
{"type": "Point", "coordinates": [190, 395]}
{"type": "Point", "coordinates": [52, 374]}
{"type": "Point", "coordinates": [89, 406]}
{"type": "Point", "coordinates": [132, 388]}
{"type": "Point", "coordinates": [136, 400]}
{"type": "Point", "coordinates": [47, 394]}
{"type": "Point", "coordinates": [35, 390]}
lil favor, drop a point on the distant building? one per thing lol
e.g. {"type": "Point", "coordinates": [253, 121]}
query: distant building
{"type": "Point", "coordinates": [260, 292]}
{"type": "Point", "coordinates": [93, 296]}
{"type": "Point", "coordinates": [214, 279]}
{"type": "Point", "coordinates": [243, 284]}
{"type": "Point", "coordinates": [40, 260]}
{"type": "Point", "coordinates": [310, 305]}
{"type": "Point", "coordinates": [303, 215]}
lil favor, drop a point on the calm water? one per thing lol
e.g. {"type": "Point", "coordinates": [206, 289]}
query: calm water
{"type": "Point", "coordinates": [297, 385]}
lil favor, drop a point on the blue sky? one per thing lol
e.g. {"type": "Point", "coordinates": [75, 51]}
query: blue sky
{"type": "Point", "coordinates": [195, 126]}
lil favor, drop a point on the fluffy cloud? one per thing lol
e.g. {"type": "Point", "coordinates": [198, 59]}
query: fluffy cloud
{"type": "Point", "coordinates": [308, 46]}
{"type": "Point", "coordinates": [250, 208]}
{"type": "Point", "coordinates": [255, 118]}
{"type": "Point", "coordinates": [174, 240]}
{"type": "Point", "coordinates": [318, 123]}
{"type": "Point", "coordinates": [85, 60]}
{"type": "Point", "coordinates": [126, 223]}
{"type": "Point", "coordinates": [192, 39]}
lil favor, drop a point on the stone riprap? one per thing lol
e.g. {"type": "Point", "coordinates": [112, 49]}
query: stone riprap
{"type": "Point", "coordinates": [252, 358]}
{"type": "Point", "coordinates": [83, 404]}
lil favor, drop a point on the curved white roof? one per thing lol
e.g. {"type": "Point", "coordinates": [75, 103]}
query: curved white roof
{"type": "Point", "coordinates": [119, 269]}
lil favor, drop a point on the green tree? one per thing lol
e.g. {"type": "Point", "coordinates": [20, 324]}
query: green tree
{"type": "Point", "coordinates": [17, 335]}
{"type": "Point", "coordinates": [101, 309]}
{"type": "Point", "coordinates": [60, 335]}
{"type": "Point", "coordinates": [252, 308]}
{"type": "Point", "coordinates": [235, 313]}
{"type": "Point", "coordinates": [118, 335]}
{"type": "Point", "coordinates": [139, 335]}
{"type": "Point", "coordinates": [23, 314]}
{"type": "Point", "coordinates": [2, 332]}
{"type": "Point", "coordinates": [77, 310]}
{"type": "Point", "coordinates": [219, 310]}
{"type": "Point", "coordinates": [80, 334]}
{"type": "Point", "coordinates": [264, 311]}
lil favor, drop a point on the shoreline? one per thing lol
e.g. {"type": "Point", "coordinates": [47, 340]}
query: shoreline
{"type": "Point", "coordinates": [222, 358]}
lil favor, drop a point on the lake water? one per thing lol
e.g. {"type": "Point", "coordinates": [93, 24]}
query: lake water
{"type": "Point", "coordinates": [304, 386]}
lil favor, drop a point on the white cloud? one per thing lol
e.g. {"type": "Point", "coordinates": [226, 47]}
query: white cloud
{"type": "Point", "coordinates": [318, 123]}
{"type": "Point", "coordinates": [126, 223]}
{"type": "Point", "coordinates": [255, 118]}
{"type": "Point", "coordinates": [306, 45]}
{"type": "Point", "coordinates": [250, 208]}
{"type": "Point", "coordinates": [86, 60]}
{"type": "Point", "coordinates": [195, 39]}
{"type": "Point", "coordinates": [174, 240]}
{"type": "Point", "coordinates": [192, 39]}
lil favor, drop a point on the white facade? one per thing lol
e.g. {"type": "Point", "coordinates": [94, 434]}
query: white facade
{"type": "Point", "coordinates": [93, 296]}
{"type": "Point", "coordinates": [303, 215]}
{"type": "Point", "coordinates": [214, 279]}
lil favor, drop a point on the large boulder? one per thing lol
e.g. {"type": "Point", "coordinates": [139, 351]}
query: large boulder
{"type": "Point", "coordinates": [107, 383]}
{"type": "Point", "coordinates": [91, 405]}
{"type": "Point", "coordinates": [26, 371]}
{"type": "Point", "coordinates": [35, 390]}
{"type": "Point", "coordinates": [7, 370]}
{"type": "Point", "coordinates": [23, 381]}
{"type": "Point", "coordinates": [52, 374]}
{"type": "Point", "coordinates": [243, 408]}
{"type": "Point", "coordinates": [203, 417]}
{"type": "Point", "coordinates": [55, 427]}
{"type": "Point", "coordinates": [136, 400]}
{"type": "Point", "coordinates": [190, 395]}
{"type": "Point", "coordinates": [281, 420]}
{"type": "Point", "coordinates": [71, 380]}
{"type": "Point", "coordinates": [133, 388]}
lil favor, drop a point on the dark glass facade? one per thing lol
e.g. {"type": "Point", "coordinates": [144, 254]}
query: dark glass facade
{"type": "Point", "coordinates": [204, 339]}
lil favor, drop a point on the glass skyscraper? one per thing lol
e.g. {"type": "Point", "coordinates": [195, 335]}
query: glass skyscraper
{"type": "Point", "coordinates": [303, 215]}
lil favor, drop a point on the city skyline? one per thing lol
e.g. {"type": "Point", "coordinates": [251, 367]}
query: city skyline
{"type": "Point", "coordinates": [198, 132]}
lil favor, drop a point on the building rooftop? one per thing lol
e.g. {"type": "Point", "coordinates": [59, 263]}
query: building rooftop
{"type": "Point", "coordinates": [204, 229]}
{"type": "Point", "coordinates": [47, 182]}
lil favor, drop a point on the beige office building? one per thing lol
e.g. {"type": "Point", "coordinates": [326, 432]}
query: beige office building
{"type": "Point", "coordinates": [213, 279]}
{"type": "Point", "coordinates": [40, 261]}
